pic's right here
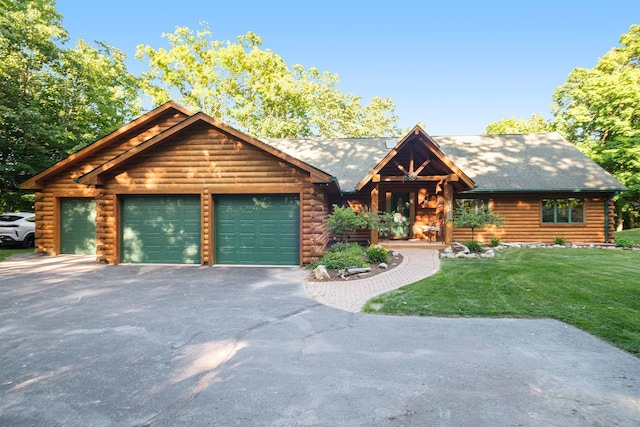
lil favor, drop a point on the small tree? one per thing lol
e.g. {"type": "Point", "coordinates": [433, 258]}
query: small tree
{"type": "Point", "coordinates": [471, 218]}
{"type": "Point", "coordinates": [344, 221]}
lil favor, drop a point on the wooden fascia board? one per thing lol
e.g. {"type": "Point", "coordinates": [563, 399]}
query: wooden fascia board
{"type": "Point", "coordinates": [34, 182]}
{"type": "Point", "coordinates": [94, 177]}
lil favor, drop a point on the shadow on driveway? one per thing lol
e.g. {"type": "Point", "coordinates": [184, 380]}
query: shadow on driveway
{"type": "Point", "coordinates": [89, 344]}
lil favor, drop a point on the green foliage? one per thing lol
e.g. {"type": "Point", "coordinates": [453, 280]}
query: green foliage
{"type": "Point", "coordinates": [53, 100]}
{"type": "Point", "coordinates": [624, 242]}
{"type": "Point", "coordinates": [587, 288]}
{"type": "Point", "coordinates": [344, 221]}
{"type": "Point", "coordinates": [536, 123]}
{"type": "Point", "coordinates": [473, 245]}
{"type": "Point", "coordinates": [597, 109]}
{"type": "Point", "coordinates": [342, 257]}
{"type": "Point", "coordinates": [255, 91]}
{"type": "Point", "coordinates": [377, 254]}
{"type": "Point", "coordinates": [495, 242]}
{"type": "Point", "coordinates": [472, 218]}
{"type": "Point", "coordinates": [559, 240]}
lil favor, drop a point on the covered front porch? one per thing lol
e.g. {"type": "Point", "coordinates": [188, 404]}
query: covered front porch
{"type": "Point", "coordinates": [417, 183]}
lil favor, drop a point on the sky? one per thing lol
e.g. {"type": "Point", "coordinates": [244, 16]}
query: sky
{"type": "Point", "coordinates": [453, 65]}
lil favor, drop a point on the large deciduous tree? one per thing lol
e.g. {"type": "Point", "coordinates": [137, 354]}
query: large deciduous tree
{"type": "Point", "coordinates": [254, 90]}
{"type": "Point", "coordinates": [598, 109]}
{"type": "Point", "coordinates": [53, 100]}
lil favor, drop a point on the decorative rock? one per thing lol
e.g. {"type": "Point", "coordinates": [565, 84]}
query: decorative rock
{"type": "Point", "coordinates": [383, 265]}
{"type": "Point", "coordinates": [459, 247]}
{"type": "Point", "coordinates": [321, 272]}
{"type": "Point", "coordinates": [355, 270]}
{"type": "Point", "coordinates": [448, 250]}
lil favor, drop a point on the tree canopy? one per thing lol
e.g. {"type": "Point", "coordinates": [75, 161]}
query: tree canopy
{"type": "Point", "coordinates": [53, 99]}
{"type": "Point", "coordinates": [255, 91]}
{"type": "Point", "coordinates": [513, 125]}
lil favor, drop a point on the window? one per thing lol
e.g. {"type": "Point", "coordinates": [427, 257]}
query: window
{"type": "Point", "coordinates": [562, 211]}
{"type": "Point", "coordinates": [479, 205]}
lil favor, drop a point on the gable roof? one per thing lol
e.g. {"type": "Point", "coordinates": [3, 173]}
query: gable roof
{"type": "Point", "coordinates": [434, 148]}
{"type": "Point", "coordinates": [95, 176]}
{"type": "Point", "coordinates": [168, 107]}
{"type": "Point", "coordinates": [529, 162]}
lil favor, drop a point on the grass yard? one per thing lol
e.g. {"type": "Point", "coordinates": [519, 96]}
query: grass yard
{"type": "Point", "coordinates": [596, 290]}
{"type": "Point", "coordinates": [5, 252]}
{"type": "Point", "coordinates": [633, 234]}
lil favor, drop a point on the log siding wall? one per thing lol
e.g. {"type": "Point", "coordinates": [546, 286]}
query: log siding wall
{"type": "Point", "coordinates": [522, 214]}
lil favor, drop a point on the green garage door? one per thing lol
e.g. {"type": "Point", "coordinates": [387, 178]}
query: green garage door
{"type": "Point", "coordinates": [257, 230]}
{"type": "Point", "coordinates": [160, 229]}
{"type": "Point", "coordinates": [78, 226]}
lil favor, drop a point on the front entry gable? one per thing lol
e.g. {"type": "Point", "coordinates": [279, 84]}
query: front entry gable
{"type": "Point", "coordinates": [417, 158]}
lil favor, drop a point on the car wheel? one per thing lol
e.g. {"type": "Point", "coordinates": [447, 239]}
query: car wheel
{"type": "Point", "coordinates": [28, 241]}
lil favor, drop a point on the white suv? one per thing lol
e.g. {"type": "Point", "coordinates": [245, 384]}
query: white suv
{"type": "Point", "coordinates": [18, 229]}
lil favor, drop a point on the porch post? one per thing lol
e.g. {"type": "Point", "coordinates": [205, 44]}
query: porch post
{"type": "Point", "coordinates": [374, 208]}
{"type": "Point", "coordinates": [448, 213]}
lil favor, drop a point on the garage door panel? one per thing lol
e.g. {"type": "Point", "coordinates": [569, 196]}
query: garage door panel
{"type": "Point", "coordinates": [161, 229]}
{"type": "Point", "coordinates": [78, 226]}
{"type": "Point", "coordinates": [261, 230]}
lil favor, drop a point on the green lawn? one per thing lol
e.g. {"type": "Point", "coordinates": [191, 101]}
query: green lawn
{"type": "Point", "coordinates": [5, 252]}
{"type": "Point", "coordinates": [633, 234]}
{"type": "Point", "coordinates": [596, 290]}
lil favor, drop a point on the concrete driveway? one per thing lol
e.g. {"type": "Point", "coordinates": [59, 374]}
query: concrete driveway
{"type": "Point", "coordinates": [89, 344]}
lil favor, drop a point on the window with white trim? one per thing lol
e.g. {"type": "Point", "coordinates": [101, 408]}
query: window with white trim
{"type": "Point", "coordinates": [563, 211]}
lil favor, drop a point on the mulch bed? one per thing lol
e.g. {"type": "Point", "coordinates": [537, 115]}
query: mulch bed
{"type": "Point", "coordinates": [395, 259]}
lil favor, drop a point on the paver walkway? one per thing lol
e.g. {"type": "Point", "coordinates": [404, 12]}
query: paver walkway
{"type": "Point", "coordinates": [351, 295]}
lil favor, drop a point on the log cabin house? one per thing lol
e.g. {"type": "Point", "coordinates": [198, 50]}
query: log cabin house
{"type": "Point", "coordinates": [179, 187]}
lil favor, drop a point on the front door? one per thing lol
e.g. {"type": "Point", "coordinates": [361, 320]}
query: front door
{"type": "Point", "coordinates": [398, 204]}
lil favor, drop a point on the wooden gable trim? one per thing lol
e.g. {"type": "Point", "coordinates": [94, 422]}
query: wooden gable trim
{"type": "Point", "coordinates": [35, 182]}
{"type": "Point", "coordinates": [417, 132]}
{"type": "Point", "coordinates": [95, 176]}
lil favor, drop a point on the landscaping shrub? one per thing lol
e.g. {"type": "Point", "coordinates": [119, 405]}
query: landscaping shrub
{"type": "Point", "coordinates": [624, 242]}
{"type": "Point", "coordinates": [495, 242]}
{"type": "Point", "coordinates": [559, 240]}
{"type": "Point", "coordinates": [377, 254]}
{"type": "Point", "coordinates": [473, 245]}
{"type": "Point", "coordinates": [338, 258]}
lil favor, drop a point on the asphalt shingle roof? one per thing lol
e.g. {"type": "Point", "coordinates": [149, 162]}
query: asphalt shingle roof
{"type": "Point", "coordinates": [530, 162]}
{"type": "Point", "coordinates": [496, 163]}
{"type": "Point", "coordinates": [347, 159]}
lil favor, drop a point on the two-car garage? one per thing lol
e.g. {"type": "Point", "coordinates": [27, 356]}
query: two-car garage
{"type": "Point", "coordinates": [247, 229]}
